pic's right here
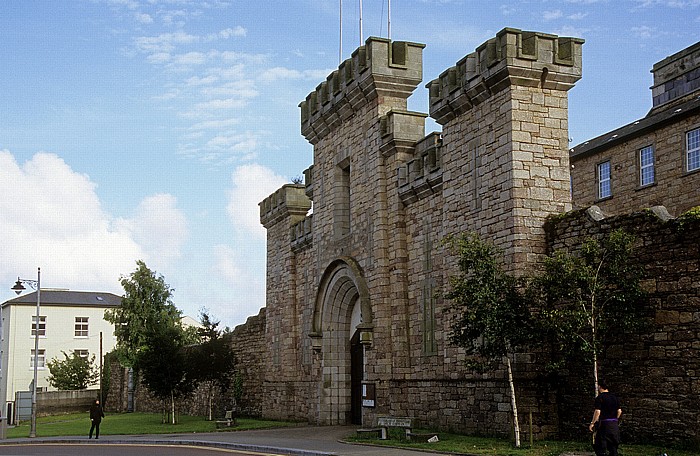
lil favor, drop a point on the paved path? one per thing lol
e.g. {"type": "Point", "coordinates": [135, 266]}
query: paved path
{"type": "Point", "coordinates": [300, 441]}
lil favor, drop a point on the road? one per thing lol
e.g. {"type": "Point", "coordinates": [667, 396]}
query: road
{"type": "Point", "coordinates": [34, 449]}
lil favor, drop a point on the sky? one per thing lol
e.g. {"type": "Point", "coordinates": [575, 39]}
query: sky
{"type": "Point", "coordinates": [151, 129]}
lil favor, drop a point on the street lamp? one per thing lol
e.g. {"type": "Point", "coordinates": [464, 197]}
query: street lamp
{"type": "Point", "coordinates": [19, 288]}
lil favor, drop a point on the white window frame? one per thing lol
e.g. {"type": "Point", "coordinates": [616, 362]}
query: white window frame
{"type": "Point", "coordinates": [41, 360]}
{"type": "Point", "coordinates": [692, 150]}
{"type": "Point", "coordinates": [604, 183]}
{"type": "Point", "coordinates": [82, 352]}
{"type": "Point", "coordinates": [82, 328]}
{"type": "Point", "coordinates": [42, 326]}
{"type": "Point", "coordinates": [647, 166]}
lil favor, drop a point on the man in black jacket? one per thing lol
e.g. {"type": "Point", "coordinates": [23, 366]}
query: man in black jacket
{"type": "Point", "coordinates": [96, 415]}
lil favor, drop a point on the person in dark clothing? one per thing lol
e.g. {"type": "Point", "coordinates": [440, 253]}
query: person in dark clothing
{"type": "Point", "coordinates": [96, 415]}
{"type": "Point", "coordinates": [605, 422]}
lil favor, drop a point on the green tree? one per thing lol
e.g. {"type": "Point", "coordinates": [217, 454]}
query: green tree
{"type": "Point", "coordinates": [588, 296]}
{"type": "Point", "coordinates": [492, 319]}
{"type": "Point", "coordinates": [146, 305]}
{"type": "Point", "coordinates": [73, 373]}
{"type": "Point", "coordinates": [212, 360]}
{"type": "Point", "coordinates": [163, 365]}
{"type": "Point", "coordinates": [150, 337]}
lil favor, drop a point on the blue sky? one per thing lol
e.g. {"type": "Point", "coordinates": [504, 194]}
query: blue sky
{"type": "Point", "coordinates": [150, 129]}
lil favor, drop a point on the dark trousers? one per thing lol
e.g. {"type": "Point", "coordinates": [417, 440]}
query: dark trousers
{"type": "Point", "coordinates": [607, 439]}
{"type": "Point", "coordinates": [95, 427]}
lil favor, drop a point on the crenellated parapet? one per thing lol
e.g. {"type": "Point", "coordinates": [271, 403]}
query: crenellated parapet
{"type": "Point", "coordinates": [301, 233]}
{"type": "Point", "coordinates": [513, 57]}
{"type": "Point", "coordinates": [400, 130]}
{"type": "Point", "coordinates": [289, 202]}
{"type": "Point", "coordinates": [422, 176]}
{"type": "Point", "coordinates": [379, 68]}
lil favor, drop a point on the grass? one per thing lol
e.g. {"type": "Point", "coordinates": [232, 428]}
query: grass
{"type": "Point", "coordinates": [469, 445]}
{"type": "Point", "coordinates": [150, 423]}
{"type": "Point", "coordinates": [130, 424]}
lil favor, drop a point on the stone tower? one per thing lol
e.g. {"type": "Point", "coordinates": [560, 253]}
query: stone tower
{"type": "Point", "coordinates": [355, 326]}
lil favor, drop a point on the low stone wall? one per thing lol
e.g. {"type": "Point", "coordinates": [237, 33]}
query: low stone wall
{"type": "Point", "coordinates": [60, 402]}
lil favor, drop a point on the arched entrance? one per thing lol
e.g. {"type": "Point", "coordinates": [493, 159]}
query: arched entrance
{"type": "Point", "coordinates": [342, 326]}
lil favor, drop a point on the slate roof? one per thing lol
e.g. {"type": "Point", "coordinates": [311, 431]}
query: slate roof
{"type": "Point", "coordinates": [67, 298]}
{"type": "Point", "coordinates": [653, 121]}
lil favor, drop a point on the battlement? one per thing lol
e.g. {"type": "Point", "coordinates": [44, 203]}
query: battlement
{"type": "Point", "coordinates": [676, 76]}
{"type": "Point", "coordinates": [422, 176]}
{"type": "Point", "coordinates": [513, 57]}
{"type": "Point", "coordinates": [379, 68]}
{"type": "Point", "coordinates": [289, 201]}
{"type": "Point", "coordinates": [400, 130]}
{"type": "Point", "coordinates": [301, 233]}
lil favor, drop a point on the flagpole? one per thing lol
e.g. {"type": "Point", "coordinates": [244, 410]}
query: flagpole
{"type": "Point", "coordinates": [362, 35]}
{"type": "Point", "coordinates": [389, 19]}
{"type": "Point", "coordinates": [340, 49]}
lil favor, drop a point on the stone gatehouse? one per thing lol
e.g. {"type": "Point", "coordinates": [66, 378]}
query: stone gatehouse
{"type": "Point", "coordinates": [354, 324]}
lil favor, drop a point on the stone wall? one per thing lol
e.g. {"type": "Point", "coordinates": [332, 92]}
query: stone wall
{"type": "Point", "coordinates": [60, 402]}
{"type": "Point", "coordinates": [248, 345]}
{"type": "Point", "coordinates": [656, 374]}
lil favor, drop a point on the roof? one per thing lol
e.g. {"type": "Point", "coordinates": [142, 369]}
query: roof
{"type": "Point", "coordinates": [653, 121]}
{"type": "Point", "coordinates": [67, 298]}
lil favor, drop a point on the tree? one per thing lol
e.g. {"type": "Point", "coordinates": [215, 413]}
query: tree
{"type": "Point", "coordinates": [212, 360]}
{"type": "Point", "coordinates": [163, 365]}
{"type": "Point", "coordinates": [492, 316]}
{"type": "Point", "coordinates": [586, 297]}
{"type": "Point", "coordinates": [73, 373]}
{"type": "Point", "coordinates": [150, 337]}
{"type": "Point", "coordinates": [146, 305]}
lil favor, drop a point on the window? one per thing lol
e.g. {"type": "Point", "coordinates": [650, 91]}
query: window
{"type": "Point", "coordinates": [646, 166]}
{"type": "Point", "coordinates": [429, 322]}
{"type": "Point", "coordinates": [82, 353]}
{"type": "Point", "coordinates": [42, 325]}
{"type": "Point", "coordinates": [692, 140]}
{"type": "Point", "coordinates": [41, 360]}
{"type": "Point", "coordinates": [604, 189]}
{"type": "Point", "coordinates": [81, 326]}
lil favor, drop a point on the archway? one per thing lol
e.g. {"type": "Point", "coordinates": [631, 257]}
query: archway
{"type": "Point", "coordinates": [342, 326]}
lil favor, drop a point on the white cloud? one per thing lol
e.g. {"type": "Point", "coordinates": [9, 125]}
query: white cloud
{"type": "Point", "coordinates": [507, 10]}
{"type": "Point", "coordinates": [215, 124]}
{"type": "Point", "coordinates": [229, 32]}
{"type": "Point", "coordinates": [282, 73]}
{"type": "Point", "coordinates": [250, 185]}
{"type": "Point", "coordinates": [159, 227]}
{"type": "Point", "coordinates": [143, 18]}
{"type": "Point", "coordinates": [552, 15]}
{"type": "Point", "coordinates": [51, 217]}
{"type": "Point", "coordinates": [165, 42]}
{"type": "Point", "coordinates": [197, 81]}
{"type": "Point", "coordinates": [190, 58]}
{"type": "Point", "coordinates": [219, 104]}
{"type": "Point", "coordinates": [577, 16]}
{"type": "Point", "coordinates": [244, 89]}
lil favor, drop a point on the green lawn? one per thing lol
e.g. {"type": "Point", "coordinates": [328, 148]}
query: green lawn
{"type": "Point", "coordinates": [129, 424]}
{"type": "Point", "coordinates": [453, 443]}
{"type": "Point", "coordinates": [150, 423]}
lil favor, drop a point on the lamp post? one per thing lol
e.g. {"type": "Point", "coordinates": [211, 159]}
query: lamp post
{"type": "Point", "coordinates": [19, 288]}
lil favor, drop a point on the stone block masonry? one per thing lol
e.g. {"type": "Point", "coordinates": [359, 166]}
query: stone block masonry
{"type": "Point", "coordinates": [356, 326]}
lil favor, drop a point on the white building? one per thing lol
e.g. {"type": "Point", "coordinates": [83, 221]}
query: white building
{"type": "Point", "coordinates": [69, 321]}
